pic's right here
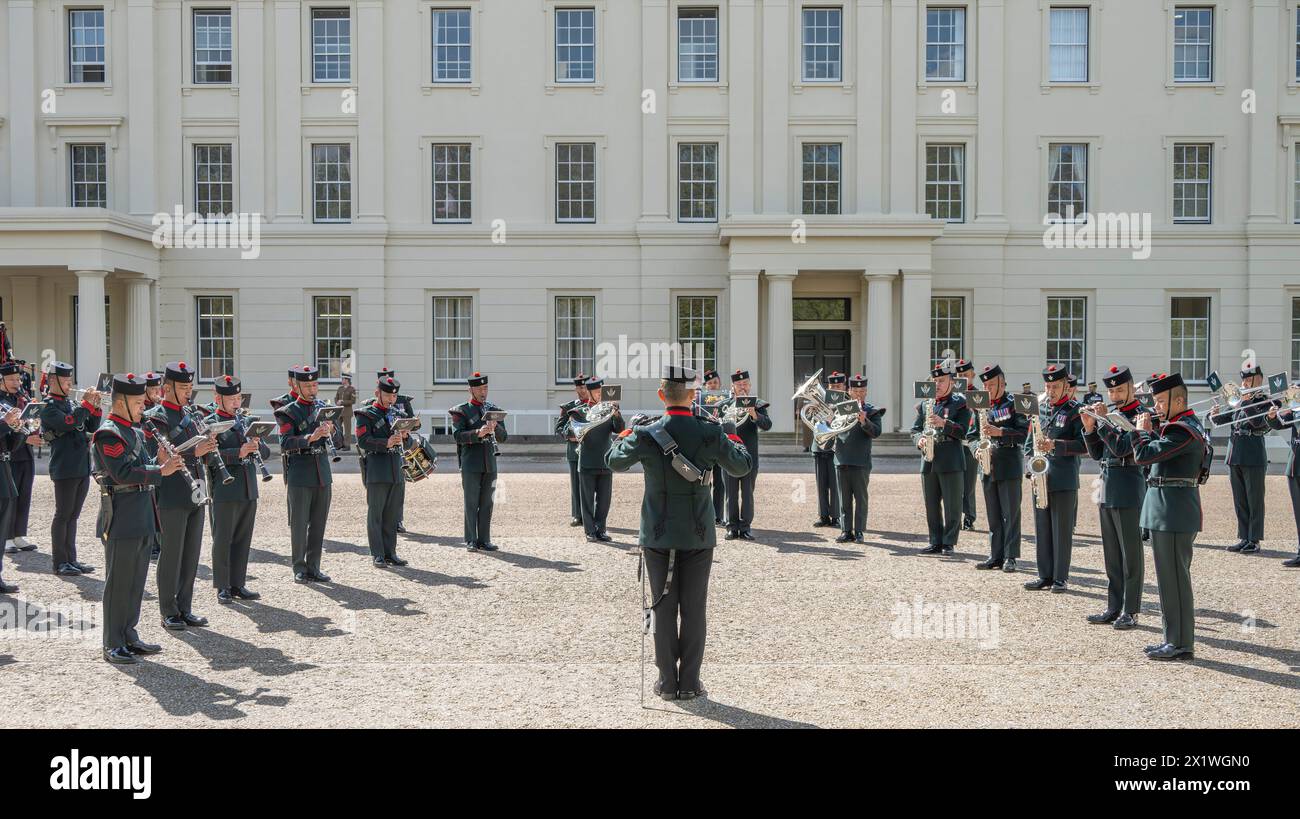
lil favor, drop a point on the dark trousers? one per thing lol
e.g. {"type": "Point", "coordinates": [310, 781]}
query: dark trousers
{"type": "Point", "coordinates": [1121, 547]}
{"type": "Point", "coordinates": [719, 495]}
{"type": "Point", "coordinates": [24, 472]}
{"type": "Point", "coordinates": [1002, 502]}
{"type": "Point", "coordinates": [69, 497]}
{"type": "Point", "coordinates": [968, 506]}
{"type": "Point", "coordinates": [1173, 556]}
{"type": "Point", "coordinates": [182, 536]}
{"type": "Point", "coordinates": [1054, 531]}
{"type": "Point", "coordinates": [478, 489]}
{"type": "Point", "coordinates": [1294, 485]}
{"type": "Point", "coordinates": [597, 491]}
{"type": "Point", "coordinates": [309, 508]}
{"type": "Point", "coordinates": [680, 626]}
{"type": "Point", "coordinates": [943, 494]}
{"type": "Point", "coordinates": [128, 566]}
{"type": "Point", "coordinates": [852, 489]}
{"type": "Point", "coordinates": [828, 487]}
{"type": "Point", "coordinates": [575, 492]}
{"type": "Point", "coordinates": [232, 536]}
{"type": "Point", "coordinates": [383, 512]}
{"type": "Point", "coordinates": [740, 501]}
{"type": "Point", "coordinates": [7, 507]}
{"type": "Point", "coordinates": [1247, 500]}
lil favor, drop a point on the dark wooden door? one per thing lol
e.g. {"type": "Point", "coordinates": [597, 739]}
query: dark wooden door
{"type": "Point", "coordinates": [825, 350]}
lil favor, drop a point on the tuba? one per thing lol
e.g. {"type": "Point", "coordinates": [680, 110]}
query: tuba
{"type": "Point", "coordinates": [1037, 465]}
{"type": "Point", "coordinates": [826, 420]}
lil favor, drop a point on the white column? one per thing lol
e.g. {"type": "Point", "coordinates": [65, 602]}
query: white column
{"type": "Point", "coordinates": [654, 130]}
{"type": "Point", "coordinates": [881, 387]}
{"type": "Point", "coordinates": [741, 140]}
{"type": "Point", "coordinates": [901, 160]}
{"type": "Point", "coordinates": [22, 112]}
{"type": "Point", "coordinates": [915, 358]}
{"type": "Point", "coordinates": [778, 385]}
{"type": "Point", "coordinates": [289, 149]}
{"type": "Point", "coordinates": [742, 316]}
{"type": "Point", "coordinates": [1262, 123]}
{"type": "Point", "coordinates": [139, 325]}
{"type": "Point", "coordinates": [92, 341]}
{"type": "Point", "coordinates": [140, 108]}
{"type": "Point", "coordinates": [370, 108]}
{"type": "Point", "coordinates": [991, 110]}
{"type": "Point", "coordinates": [774, 63]}
{"type": "Point", "coordinates": [251, 54]}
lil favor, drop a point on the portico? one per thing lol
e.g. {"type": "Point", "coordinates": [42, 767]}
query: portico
{"type": "Point", "coordinates": [878, 266]}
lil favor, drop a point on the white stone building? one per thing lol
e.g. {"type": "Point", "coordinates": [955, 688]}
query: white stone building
{"type": "Point", "coordinates": [502, 185]}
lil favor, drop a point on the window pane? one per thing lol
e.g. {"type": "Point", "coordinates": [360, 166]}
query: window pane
{"type": "Point", "coordinates": [1189, 335]}
{"type": "Point", "coordinates": [453, 342]}
{"type": "Point", "coordinates": [331, 183]}
{"type": "Point", "coordinates": [86, 46]}
{"type": "Point", "coordinates": [575, 336]}
{"type": "Point", "coordinates": [575, 174]}
{"type": "Point", "coordinates": [697, 182]}
{"type": "Point", "coordinates": [333, 316]}
{"type": "Point", "coordinates": [214, 181]}
{"type": "Point", "coordinates": [1191, 172]}
{"type": "Point", "coordinates": [1068, 44]}
{"type": "Point", "coordinates": [821, 178]}
{"type": "Point", "coordinates": [88, 174]}
{"type": "Point", "coordinates": [1067, 191]}
{"type": "Point", "coordinates": [696, 330]}
{"type": "Point", "coordinates": [213, 46]}
{"type": "Point", "coordinates": [216, 336]}
{"type": "Point", "coordinates": [947, 325]}
{"type": "Point", "coordinates": [331, 45]}
{"type": "Point", "coordinates": [451, 45]}
{"type": "Point", "coordinates": [575, 45]}
{"type": "Point", "coordinates": [1193, 44]}
{"type": "Point", "coordinates": [822, 36]}
{"type": "Point", "coordinates": [697, 45]}
{"type": "Point", "coordinates": [1067, 328]}
{"type": "Point", "coordinates": [451, 183]}
{"type": "Point", "coordinates": [945, 169]}
{"type": "Point", "coordinates": [945, 44]}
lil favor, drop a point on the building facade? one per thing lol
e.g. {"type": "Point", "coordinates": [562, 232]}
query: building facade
{"type": "Point", "coordinates": [506, 186]}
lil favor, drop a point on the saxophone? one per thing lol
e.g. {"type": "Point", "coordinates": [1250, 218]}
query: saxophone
{"type": "Point", "coordinates": [929, 435]}
{"type": "Point", "coordinates": [1037, 465]}
{"type": "Point", "coordinates": [983, 447]}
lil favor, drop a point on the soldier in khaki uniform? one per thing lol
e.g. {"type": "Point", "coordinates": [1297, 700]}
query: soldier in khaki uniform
{"type": "Point", "coordinates": [678, 451]}
{"type": "Point", "coordinates": [1006, 430]}
{"type": "Point", "coordinates": [943, 479]}
{"type": "Point", "coordinates": [1177, 449]}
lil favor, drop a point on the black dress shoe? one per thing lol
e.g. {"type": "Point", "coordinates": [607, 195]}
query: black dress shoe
{"type": "Point", "coordinates": [83, 567]}
{"type": "Point", "coordinates": [120, 656]}
{"type": "Point", "coordinates": [1104, 618]}
{"type": "Point", "coordinates": [396, 561]}
{"type": "Point", "coordinates": [244, 593]}
{"type": "Point", "coordinates": [141, 648]}
{"type": "Point", "coordinates": [945, 550]}
{"type": "Point", "coordinates": [968, 525]}
{"type": "Point", "coordinates": [1293, 562]}
{"type": "Point", "coordinates": [664, 692]}
{"type": "Point", "coordinates": [693, 693]}
{"type": "Point", "coordinates": [1010, 566]}
{"type": "Point", "coordinates": [379, 562]}
{"type": "Point", "coordinates": [590, 539]}
{"type": "Point", "coordinates": [821, 522]}
{"type": "Point", "coordinates": [575, 522]}
{"type": "Point", "coordinates": [844, 537]}
{"type": "Point", "coordinates": [473, 547]}
{"type": "Point", "coordinates": [932, 550]}
{"type": "Point", "coordinates": [301, 577]}
{"type": "Point", "coordinates": [1125, 622]}
{"type": "Point", "coordinates": [319, 576]}
{"type": "Point", "coordinates": [153, 555]}
{"type": "Point", "coordinates": [67, 570]}
{"type": "Point", "coordinates": [1058, 588]}
{"type": "Point", "coordinates": [731, 534]}
{"type": "Point", "coordinates": [718, 522]}
{"type": "Point", "coordinates": [1250, 548]}
{"type": "Point", "coordinates": [30, 547]}
{"type": "Point", "coordinates": [1168, 652]}
{"type": "Point", "coordinates": [603, 537]}
{"type": "Point", "coordinates": [7, 588]}
{"type": "Point", "coordinates": [174, 623]}
{"type": "Point", "coordinates": [224, 597]}
{"type": "Point", "coordinates": [989, 564]}
{"type": "Point", "coordinates": [745, 534]}
{"type": "Point", "coordinates": [401, 530]}
{"type": "Point", "coordinates": [835, 522]}
{"type": "Point", "coordinates": [192, 619]}
{"type": "Point", "coordinates": [1238, 546]}
{"type": "Point", "coordinates": [1156, 647]}
{"type": "Point", "coordinates": [1038, 585]}
{"type": "Point", "coordinates": [859, 538]}
{"type": "Point", "coordinates": [487, 546]}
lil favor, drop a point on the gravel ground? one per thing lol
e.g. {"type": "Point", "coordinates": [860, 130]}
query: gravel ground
{"type": "Point", "coordinates": [803, 631]}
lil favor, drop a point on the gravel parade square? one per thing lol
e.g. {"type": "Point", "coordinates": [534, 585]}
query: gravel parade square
{"type": "Point", "coordinates": [804, 632]}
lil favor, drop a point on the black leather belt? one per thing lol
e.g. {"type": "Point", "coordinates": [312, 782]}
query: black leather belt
{"type": "Point", "coordinates": [1183, 483]}
{"type": "Point", "coordinates": [1255, 433]}
{"type": "Point", "coordinates": [126, 490]}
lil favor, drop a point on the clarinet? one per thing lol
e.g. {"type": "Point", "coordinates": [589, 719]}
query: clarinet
{"type": "Point", "coordinates": [196, 488]}
{"type": "Point", "coordinates": [212, 459]}
{"type": "Point", "coordinates": [256, 456]}
{"type": "Point", "coordinates": [329, 439]}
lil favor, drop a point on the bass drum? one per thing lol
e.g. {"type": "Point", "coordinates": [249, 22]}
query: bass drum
{"type": "Point", "coordinates": [419, 461]}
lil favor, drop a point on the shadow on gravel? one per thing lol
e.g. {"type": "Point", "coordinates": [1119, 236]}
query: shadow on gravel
{"type": "Point", "coordinates": [435, 540]}
{"type": "Point", "coordinates": [428, 578]}
{"type": "Point", "coordinates": [182, 695]}
{"type": "Point", "coordinates": [6, 659]}
{"type": "Point", "coordinates": [805, 543]}
{"type": "Point", "coordinates": [271, 620]}
{"type": "Point", "coordinates": [225, 653]}
{"type": "Point", "coordinates": [354, 599]}
{"type": "Point", "coordinates": [531, 562]}
{"type": "Point", "coordinates": [734, 717]}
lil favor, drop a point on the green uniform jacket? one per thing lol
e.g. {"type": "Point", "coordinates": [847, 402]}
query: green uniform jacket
{"type": "Point", "coordinates": [283, 400]}
{"type": "Point", "coordinates": [1061, 423]}
{"type": "Point", "coordinates": [9, 441]}
{"type": "Point", "coordinates": [305, 463]}
{"type": "Point", "coordinates": [67, 429]}
{"type": "Point", "coordinates": [1008, 458]}
{"type": "Point", "coordinates": [379, 464]}
{"type": "Point", "coordinates": [1283, 416]}
{"type": "Point", "coordinates": [245, 474]}
{"type": "Point", "coordinates": [178, 426]}
{"type": "Point", "coordinates": [949, 454]}
{"type": "Point", "coordinates": [677, 513]}
{"type": "Point", "coordinates": [1123, 482]}
{"type": "Point", "coordinates": [1176, 452]}
{"type": "Point", "coordinates": [1246, 440]}
{"type": "Point", "coordinates": [23, 450]}
{"type": "Point", "coordinates": [594, 446]}
{"type": "Point", "coordinates": [853, 446]}
{"type": "Point", "coordinates": [474, 454]}
{"type": "Point", "coordinates": [122, 460]}
{"type": "Point", "coordinates": [748, 429]}
{"type": "Point", "coordinates": [562, 430]}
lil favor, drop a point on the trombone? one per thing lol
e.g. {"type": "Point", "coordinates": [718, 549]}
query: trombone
{"type": "Point", "coordinates": [1229, 394]}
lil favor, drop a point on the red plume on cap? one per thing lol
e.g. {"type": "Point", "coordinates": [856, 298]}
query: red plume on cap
{"type": "Point", "coordinates": [858, 376]}
{"type": "Point", "coordinates": [130, 376]}
{"type": "Point", "coordinates": [181, 364]}
{"type": "Point", "coordinates": [988, 367]}
{"type": "Point", "coordinates": [1051, 368]}
{"type": "Point", "coordinates": [1114, 369]}
{"type": "Point", "coordinates": [476, 375]}
{"type": "Point", "coordinates": [737, 370]}
{"type": "Point", "coordinates": [961, 361]}
{"type": "Point", "coordinates": [228, 379]}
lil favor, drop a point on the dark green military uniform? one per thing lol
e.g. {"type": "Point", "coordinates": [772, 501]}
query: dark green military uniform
{"type": "Point", "coordinates": [676, 535]}
{"type": "Point", "coordinates": [9, 440]}
{"type": "Point", "coordinates": [571, 450]}
{"type": "Point", "coordinates": [1171, 511]}
{"type": "Point", "coordinates": [1054, 526]}
{"type": "Point", "coordinates": [128, 521]}
{"type": "Point", "coordinates": [595, 481]}
{"type": "Point", "coordinates": [477, 457]}
{"type": "Point", "coordinates": [740, 488]}
{"type": "Point", "coordinates": [234, 505]}
{"type": "Point", "coordinates": [828, 485]}
{"type": "Point", "coordinates": [942, 479]}
{"type": "Point", "coordinates": [381, 472]}
{"type": "Point", "coordinates": [853, 471]}
{"type": "Point", "coordinates": [22, 463]}
{"type": "Point", "coordinates": [308, 477]}
{"type": "Point", "coordinates": [969, 509]}
{"type": "Point", "coordinates": [1247, 464]}
{"type": "Point", "coordinates": [67, 430]}
{"type": "Point", "coordinates": [1123, 489]}
{"type": "Point", "coordinates": [1287, 419]}
{"type": "Point", "coordinates": [180, 513]}
{"type": "Point", "coordinates": [1003, 485]}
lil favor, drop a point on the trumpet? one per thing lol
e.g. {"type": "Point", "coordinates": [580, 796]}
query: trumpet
{"type": "Point", "coordinates": [32, 426]}
{"type": "Point", "coordinates": [196, 488]}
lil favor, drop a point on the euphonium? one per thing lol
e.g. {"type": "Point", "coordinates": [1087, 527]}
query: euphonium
{"type": "Point", "coordinates": [929, 435]}
{"type": "Point", "coordinates": [826, 420]}
{"type": "Point", "coordinates": [1037, 465]}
